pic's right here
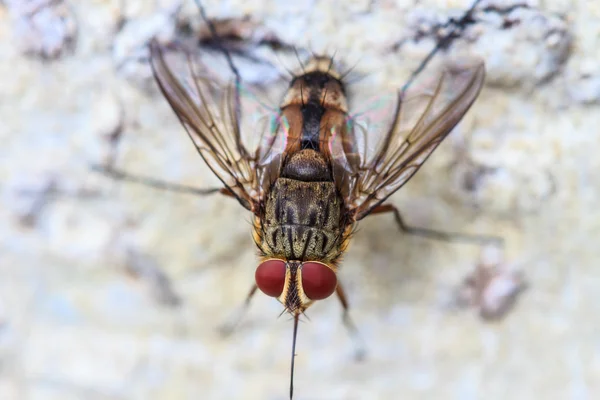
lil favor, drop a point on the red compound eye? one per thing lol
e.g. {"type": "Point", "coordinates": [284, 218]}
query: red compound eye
{"type": "Point", "coordinates": [318, 280]}
{"type": "Point", "coordinates": [270, 277]}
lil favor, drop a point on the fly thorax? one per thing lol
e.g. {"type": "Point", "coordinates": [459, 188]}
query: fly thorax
{"type": "Point", "coordinates": [304, 215]}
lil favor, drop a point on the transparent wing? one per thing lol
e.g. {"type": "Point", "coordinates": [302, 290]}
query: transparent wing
{"type": "Point", "coordinates": [211, 114]}
{"type": "Point", "coordinates": [418, 125]}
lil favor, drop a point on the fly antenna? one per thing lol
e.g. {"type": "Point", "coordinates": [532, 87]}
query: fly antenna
{"type": "Point", "coordinates": [296, 316]}
{"type": "Point", "coordinates": [458, 26]}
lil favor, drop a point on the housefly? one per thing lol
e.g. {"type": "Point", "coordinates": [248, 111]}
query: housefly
{"type": "Point", "coordinates": [316, 169]}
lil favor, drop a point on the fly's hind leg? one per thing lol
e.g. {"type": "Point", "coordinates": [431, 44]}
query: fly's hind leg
{"type": "Point", "coordinates": [227, 327]}
{"type": "Point", "coordinates": [435, 234]}
{"type": "Point", "coordinates": [359, 346]}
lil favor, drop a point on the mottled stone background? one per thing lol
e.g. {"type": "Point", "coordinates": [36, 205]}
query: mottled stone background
{"type": "Point", "coordinates": [84, 315]}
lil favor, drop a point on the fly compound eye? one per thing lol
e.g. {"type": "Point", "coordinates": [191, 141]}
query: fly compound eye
{"type": "Point", "coordinates": [318, 280]}
{"type": "Point", "coordinates": [270, 277]}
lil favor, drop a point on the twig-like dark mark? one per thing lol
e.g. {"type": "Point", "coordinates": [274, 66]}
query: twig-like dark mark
{"type": "Point", "coordinates": [44, 196]}
{"type": "Point", "coordinates": [30, 218]}
{"type": "Point", "coordinates": [507, 23]}
{"type": "Point", "coordinates": [147, 270]}
{"type": "Point", "coordinates": [238, 36]}
{"type": "Point", "coordinates": [457, 28]}
{"type": "Point", "coordinates": [505, 10]}
{"type": "Point", "coordinates": [235, 33]}
{"type": "Point", "coordinates": [214, 34]}
{"type": "Point", "coordinates": [114, 138]}
{"type": "Point", "coordinates": [459, 25]}
{"type": "Point", "coordinates": [492, 288]}
{"type": "Point", "coordinates": [51, 35]}
{"type": "Point", "coordinates": [474, 173]}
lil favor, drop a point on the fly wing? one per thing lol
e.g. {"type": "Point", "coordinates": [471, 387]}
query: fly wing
{"type": "Point", "coordinates": [211, 116]}
{"type": "Point", "coordinates": [420, 122]}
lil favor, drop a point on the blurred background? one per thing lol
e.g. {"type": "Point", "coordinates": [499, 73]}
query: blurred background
{"type": "Point", "coordinates": [112, 290]}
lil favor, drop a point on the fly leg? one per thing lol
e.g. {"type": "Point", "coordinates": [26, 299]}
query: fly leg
{"type": "Point", "coordinates": [437, 235]}
{"type": "Point", "coordinates": [359, 346]}
{"type": "Point", "coordinates": [156, 183]}
{"type": "Point", "coordinates": [234, 319]}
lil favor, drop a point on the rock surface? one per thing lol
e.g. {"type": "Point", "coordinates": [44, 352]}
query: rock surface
{"type": "Point", "coordinates": [115, 291]}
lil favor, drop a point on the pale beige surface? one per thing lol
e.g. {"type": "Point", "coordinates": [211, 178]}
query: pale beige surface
{"type": "Point", "coordinates": [74, 326]}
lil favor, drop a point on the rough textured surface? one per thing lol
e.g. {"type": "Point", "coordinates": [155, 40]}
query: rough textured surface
{"type": "Point", "coordinates": [87, 311]}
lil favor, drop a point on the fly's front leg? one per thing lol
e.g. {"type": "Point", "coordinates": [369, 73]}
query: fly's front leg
{"type": "Point", "coordinates": [437, 235]}
{"type": "Point", "coordinates": [234, 319]}
{"type": "Point", "coordinates": [359, 346]}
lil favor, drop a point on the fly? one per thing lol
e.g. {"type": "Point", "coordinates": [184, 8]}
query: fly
{"type": "Point", "coordinates": [312, 178]}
